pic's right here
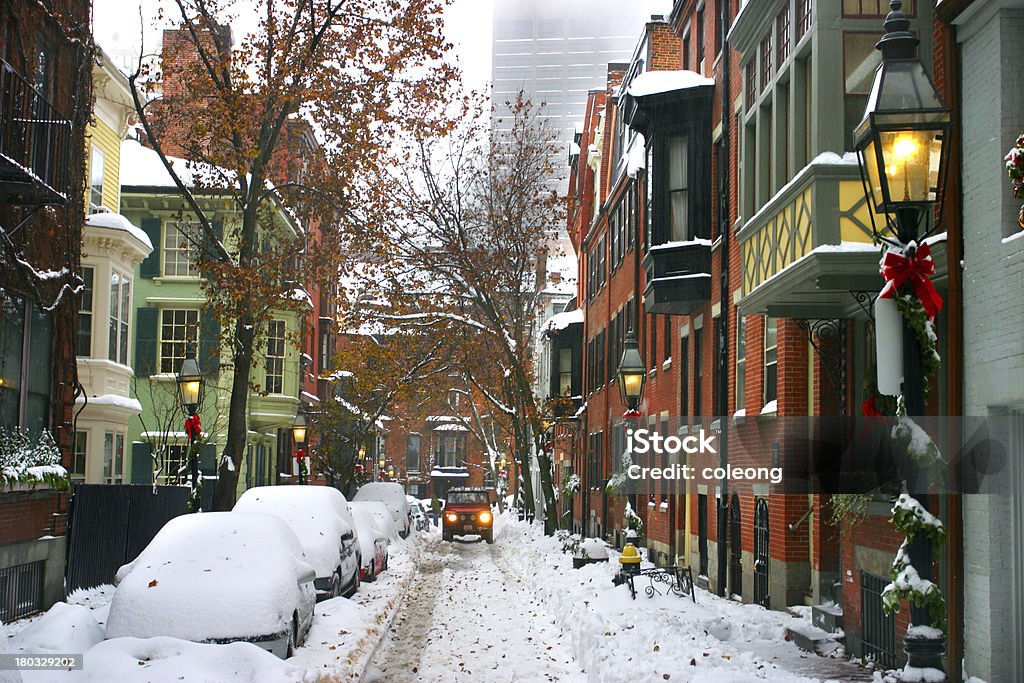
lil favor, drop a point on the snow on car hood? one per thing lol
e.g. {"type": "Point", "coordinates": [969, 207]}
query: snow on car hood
{"type": "Point", "coordinates": [312, 512]}
{"type": "Point", "coordinates": [211, 575]}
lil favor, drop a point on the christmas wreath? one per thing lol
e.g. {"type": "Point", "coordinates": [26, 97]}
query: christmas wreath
{"type": "Point", "coordinates": [1015, 169]}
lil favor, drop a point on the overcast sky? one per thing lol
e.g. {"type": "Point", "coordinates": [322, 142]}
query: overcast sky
{"type": "Point", "coordinates": [118, 30]}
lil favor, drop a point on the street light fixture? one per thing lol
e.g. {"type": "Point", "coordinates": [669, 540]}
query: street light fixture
{"type": "Point", "coordinates": [632, 374]}
{"type": "Point", "coordinates": [299, 435]}
{"type": "Point", "coordinates": [902, 145]}
{"type": "Point", "coordinates": [190, 394]}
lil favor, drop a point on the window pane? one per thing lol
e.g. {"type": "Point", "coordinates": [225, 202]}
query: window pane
{"type": "Point", "coordinates": [40, 364]}
{"type": "Point", "coordinates": [275, 356]}
{"type": "Point", "coordinates": [84, 341]}
{"type": "Point", "coordinates": [78, 456]}
{"type": "Point", "coordinates": [108, 457]}
{"type": "Point", "coordinates": [115, 304]}
{"type": "Point", "coordinates": [177, 249]}
{"type": "Point", "coordinates": [96, 178]}
{"type": "Point", "coordinates": [178, 329]}
{"type": "Point", "coordinates": [126, 288]}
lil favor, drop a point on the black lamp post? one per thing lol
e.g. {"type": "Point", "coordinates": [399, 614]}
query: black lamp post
{"type": "Point", "coordinates": [299, 436]}
{"type": "Point", "coordinates": [632, 375]}
{"type": "Point", "coordinates": [190, 394]}
{"type": "Point", "coordinates": [902, 147]}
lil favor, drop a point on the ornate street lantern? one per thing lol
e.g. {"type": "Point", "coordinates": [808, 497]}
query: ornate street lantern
{"type": "Point", "coordinates": [299, 430]}
{"type": "Point", "coordinates": [190, 384]}
{"type": "Point", "coordinates": [632, 374]}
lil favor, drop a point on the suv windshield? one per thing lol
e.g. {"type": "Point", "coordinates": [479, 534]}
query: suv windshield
{"type": "Point", "coordinates": [467, 498]}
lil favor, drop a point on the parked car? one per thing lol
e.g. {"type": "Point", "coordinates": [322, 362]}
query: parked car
{"type": "Point", "coordinates": [374, 528]}
{"type": "Point", "coordinates": [468, 512]}
{"type": "Point", "coordinates": [218, 577]}
{"type": "Point", "coordinates": [419, 516]}
{"type": "Point", "coordinates": [393, 495]}
{"type": "Point", "coordinates": [317, 515]}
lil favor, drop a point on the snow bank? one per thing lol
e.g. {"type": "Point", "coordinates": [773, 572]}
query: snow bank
{"type": "Point", "coordinates": [654, 639]}
{"type": "Point", "coordinates": [63, 629]}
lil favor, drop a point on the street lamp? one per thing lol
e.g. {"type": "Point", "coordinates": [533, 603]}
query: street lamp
{"type": "Point", "coordinates": [190, 394]}
{"type": "Point", "coordinates": [632, 375]}
{"type": "Point", "coordinates": [902, 144]}
{"type": "Point", "coordinates": [299, 435]}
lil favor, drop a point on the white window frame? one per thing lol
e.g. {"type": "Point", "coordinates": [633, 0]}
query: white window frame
{"type": "Point", "coordinates": [120, 311]}
{"type": "Point", "coordinates": [113, 457]}
{"type": "Point", "coordinates": [176, 251]}
{"type": "Point", "coordinates": [97, 161]}
{"type": "Point", "coordinates": [190, 338]}
{"type": "Point", "coordinates": [275, 354]}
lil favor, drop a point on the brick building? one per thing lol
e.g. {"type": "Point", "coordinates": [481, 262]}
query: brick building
{"type": "Point", "coordinates": [46, 81]}
{"type": "Point", "coordinates": [665, 192]}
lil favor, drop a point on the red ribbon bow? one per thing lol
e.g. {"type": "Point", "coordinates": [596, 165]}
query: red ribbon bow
{"type": "Point", "coordinates": [300, 453]}
{"type": "Point", "coordinates": [898, 268]}
{"type": "Point", "coordinates": [192, 426]}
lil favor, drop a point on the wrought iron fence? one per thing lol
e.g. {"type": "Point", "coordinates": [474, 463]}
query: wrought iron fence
{"type": "Point", "coordinates": [35, 139]}
{"type": "Point", "coordinates": [878, 630]}
{"type": "Point", "coordinates": [21, 590]}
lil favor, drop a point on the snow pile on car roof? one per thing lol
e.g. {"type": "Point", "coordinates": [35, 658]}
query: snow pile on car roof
{"type": "Point", "coordinates": [208, 576]}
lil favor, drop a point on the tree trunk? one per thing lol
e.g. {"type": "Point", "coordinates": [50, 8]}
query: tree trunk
{"type": "Point", "coordinates": [548, 491]}
{"type": "Point", "coordinates": [230, 465]}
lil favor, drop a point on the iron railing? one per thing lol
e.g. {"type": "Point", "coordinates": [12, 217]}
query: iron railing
{"type": "Point", "coordinates": [878, 629]}
{"type": "Point", "coordinates": [21, 590]}
{"type": "Point", "coordinates": [35, 140]}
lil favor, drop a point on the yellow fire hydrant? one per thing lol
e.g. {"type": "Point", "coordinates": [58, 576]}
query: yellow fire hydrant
{"type": "Point", "coordinates": [630, 559]}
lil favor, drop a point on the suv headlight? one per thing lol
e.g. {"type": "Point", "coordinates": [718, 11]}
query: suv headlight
{"type": "Point", "coordinates": [452, 517]}
{"type": "Point", "coordinates": [485, 517]}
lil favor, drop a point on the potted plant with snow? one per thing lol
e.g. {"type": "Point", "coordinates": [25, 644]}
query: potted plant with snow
{"type": "Point", "coordinates": [27, 463]}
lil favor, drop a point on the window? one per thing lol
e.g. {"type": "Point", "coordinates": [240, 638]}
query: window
{"type": "Point", "coordinates": [700, 40]}
{"type": "Point", "coordinates": [782, 34]}
{"type": "Point", "coordinates": [771, 360]}
{"type": "Point", "coordinates": [452, 450]}
{"type": "Point", "coordinates": [565, 372]}
{"type": "Point", "coordinates": [803, 18]}
{"type": "Point", "coordinates": [275, 357]}
{"type": "Point", "coordinates": [684, 376]}
{"type": "Point", "coordinates": [120, 305]}
{"type": "Point", "coordinates": [652, 330]}
{"type": "Point", "coordinates": [751, 78]}
{"type": "Point", "coordinates": [412, 452]}
{"type": "Point", "coordinates": [766, 61]}
{"type": "Point", "coordinates": [686, 51]}
{"type": "Point", "coordinates": [178, 249]}
{"type": "Point", "coordinates": [741, 362]}
{"type": "Point", "coordinates": [702, 533]}
{"type": "Point", "coordinates": [678, 192]}
{"type": "Point", "coordinates": [95, 179]}
{"type": "Point", "coordinates": [860, 60]}
{"type": "Point", "coordinates": [668, 337]}
{"type": "Point", "coordinates": [113, 458]}
{"type": "Point", "coordinates": [698, 369]}
{"type": "Point", "coordinates": [179, 328]}
{"type": "Point", "coordinates": [173, 464]}
{"type": "Point", "coordinates": [595, 460]}
{"type": "Point", "coordinates": [26, 335]}
{"type": "Point", "coordinates": [873, 8]}
{"type": "Point", "coordinates": [78, 457]}
{"type": "Point", "coordinates": [84, 341]}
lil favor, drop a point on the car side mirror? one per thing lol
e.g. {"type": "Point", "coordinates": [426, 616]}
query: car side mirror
{"type": "Point", "coordinates": [307, 576]}
{"type": "Point", "coordinates": [348, 535]}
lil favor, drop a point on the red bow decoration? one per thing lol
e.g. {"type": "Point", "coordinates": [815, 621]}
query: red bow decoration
{"type": "Point", "coordinates": [869, 408]}
{"type": "Point", "coordinates": [192, 426]}
{"type": "Point", "coordinates": [300, 453]}
{"type": "Point", "coordinates": [631, 414]}
{"type": "Point", "coordinates": [917, 268]}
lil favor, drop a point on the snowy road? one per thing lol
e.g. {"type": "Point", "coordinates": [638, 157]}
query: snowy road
{"type": "Point", "coordinates": [465, 620]}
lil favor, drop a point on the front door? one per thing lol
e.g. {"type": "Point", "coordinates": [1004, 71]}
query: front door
{"type": "Point", "coordinates": [761, 553]}
{"type": "Point", "coordinates": [735, 543]}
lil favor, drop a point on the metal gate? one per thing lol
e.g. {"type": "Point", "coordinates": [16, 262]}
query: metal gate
{"type": "Point", "coordinates": [110, 524]}
{"type": "Point", "coordinates": [878, 630]}
{"type": "Point", "coordinates": [761, 596]}
{"type": "Point", "coordinates": [21, 590]}
{"type": "Point", "coordinates": [736, 544]}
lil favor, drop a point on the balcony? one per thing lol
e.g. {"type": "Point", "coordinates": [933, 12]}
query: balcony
{"type": "Point", "coordinates": [678, 276]}
{"type": "Point", "coordinates": [810, 246]}
{"type": "Point", "coordinates": [35, 144]}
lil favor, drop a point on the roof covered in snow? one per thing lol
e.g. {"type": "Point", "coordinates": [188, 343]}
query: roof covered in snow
{"type": "Point", "coordinates": [655, 82]}
{"type": "Point", "coordinates": [115, 221]}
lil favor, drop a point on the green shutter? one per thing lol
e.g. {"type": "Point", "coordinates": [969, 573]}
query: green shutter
{"type": "Point", "coordinates": [151, 264]}
{"type": "Point", "coordinates": [145, 341]}
{"type": "Point", "coordinates": [208, 459]}
{"type": "Point", "coordinates": [209, 252]}
{"type": "Point", "coordinates": [141, 463]}
{"type": "Point", "coordinates": [209, 342]}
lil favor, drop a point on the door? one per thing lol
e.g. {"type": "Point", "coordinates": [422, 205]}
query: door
{"type": "Point", "coordinates": [735, 543]}
{"type": "Point", "coordinates": [761, 553]}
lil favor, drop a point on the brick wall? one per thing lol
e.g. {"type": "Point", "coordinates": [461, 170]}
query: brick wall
{"type": "Point", "coordinates": [26, 516]}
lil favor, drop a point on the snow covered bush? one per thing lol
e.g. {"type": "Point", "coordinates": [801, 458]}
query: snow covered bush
{"type": "Point", "coordinates": [31, 462]}
{"type": "Point", "coordinates": [633, 520]}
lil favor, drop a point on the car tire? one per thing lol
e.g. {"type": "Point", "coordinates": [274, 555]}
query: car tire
{"type": "Point", "coordinates": [371, 576]}
{"type": "Point", "coordinates": [289, 649]}
{"type": "Point", "coordinates": [447, 536]}
{"type": "Point", "coordinates": [489, 537]}
{"type": "Point", "coordinates": [355, 581]}
{"type": "Point", "coordinates": [336, 583]}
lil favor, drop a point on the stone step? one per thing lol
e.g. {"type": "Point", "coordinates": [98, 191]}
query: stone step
{"type": "Point", "coordinates": [813, 639]}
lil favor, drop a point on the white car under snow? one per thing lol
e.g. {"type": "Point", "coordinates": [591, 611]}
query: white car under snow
{"type": "Point", "coordinates": [218, 577]}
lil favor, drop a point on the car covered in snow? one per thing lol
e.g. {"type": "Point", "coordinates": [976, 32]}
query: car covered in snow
{"type": "Point", "coordinates": [218, 577]}
{"type": "Point", "coordinates": [375, 530]}
{"type": "Point", "coordinates": [393, 496]}
{"type": "Point", "coordinates": [468, 512]}
{"type": "Point", "coordinates": [319, 517]}
{"type": "Point", "coordinates": [419, 515]}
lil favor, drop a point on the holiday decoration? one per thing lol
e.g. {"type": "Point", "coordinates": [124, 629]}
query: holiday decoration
{"type": "Point", "coordinates": [912, 264]}
{"type": "Point", "coordinates": [1015, 169]}
{"type": "Point", "coordinates": [192, 426]}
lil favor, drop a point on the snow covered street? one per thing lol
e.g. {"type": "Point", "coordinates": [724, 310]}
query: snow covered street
{"type": "Point", "coordinates": [466, 620]}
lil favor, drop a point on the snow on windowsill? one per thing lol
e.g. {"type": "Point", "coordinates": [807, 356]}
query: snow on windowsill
{"type": "Point", "coordinates": [1014, 237]}
{"type": "Point", "coordinates": [667, 365]}
{"type": "Point", "coordinates": [770, 408]}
